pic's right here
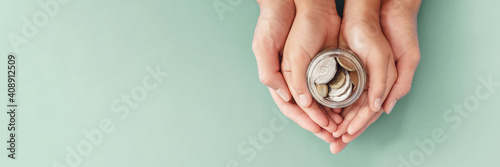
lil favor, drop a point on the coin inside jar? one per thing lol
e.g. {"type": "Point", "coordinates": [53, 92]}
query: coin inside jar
{"type": "Point", "coordinates": [325, 70]}
{"type": "Point", "coordinates": [340, 91]}
{"type": "Point", "coordinates": [338, 80]}
{"type": "Point", "coordinates": [354, 77]}
{"type": "Point", "coordinates": [343, 96]}
{"type": "Point", "coordinates": [322, 89]}
{"type": "Point", "coordinates": [346, 64]}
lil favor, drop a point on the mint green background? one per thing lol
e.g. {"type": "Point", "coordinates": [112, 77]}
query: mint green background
{"type": "Point", "coordinates": [93, 52]}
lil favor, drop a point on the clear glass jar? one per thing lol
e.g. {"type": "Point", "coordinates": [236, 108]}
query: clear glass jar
{"type": "Point", "coordinates": [317, 69]}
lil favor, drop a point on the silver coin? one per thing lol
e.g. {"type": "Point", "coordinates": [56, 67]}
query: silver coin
{"type": "Point", "coordinates": [343, 96]}
{"type": "Point", "coordinates": [337, 92]}
{"type": "Point", "coordinates": [325, 70]}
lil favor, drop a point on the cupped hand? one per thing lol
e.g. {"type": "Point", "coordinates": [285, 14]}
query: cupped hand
{"type": "Point", "coordinates": [362, 33]}
{"type": "Point", "coordinates": [399, 24]}
{"type": "Point", "coordinates": [287, 36]}
{"type": "Point", "coordinates": [289, 33]}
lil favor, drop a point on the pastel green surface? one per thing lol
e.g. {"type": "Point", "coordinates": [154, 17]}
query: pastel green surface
{"type": "Point", "coordinates": [79, 68]}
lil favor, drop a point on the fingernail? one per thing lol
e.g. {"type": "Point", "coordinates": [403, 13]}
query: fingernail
{"type": "Point", "coordinates": [303, 100]}
{"type": "Point", "coordinates": [378, 104]}
{"type": "Point", "coordinates": [391, 107]}
{"type": "Point", "coordinates": [282, 94]}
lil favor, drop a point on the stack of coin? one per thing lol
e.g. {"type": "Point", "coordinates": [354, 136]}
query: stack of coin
{"type": "Point", "coordinates": [335, 78]}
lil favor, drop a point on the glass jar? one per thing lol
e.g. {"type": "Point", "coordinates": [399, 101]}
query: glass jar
{"type": "Point", "coordinates": [319, 74]}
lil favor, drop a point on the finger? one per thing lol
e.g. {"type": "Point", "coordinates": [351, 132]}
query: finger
{"type": "Point", "coordinates": [315, 112]}
{"type": "Point", "coordinates": [364, 36]}
{"type": "Point", "coordinates": [325, 135]}
{"type": "Point", "coordinates": [365, 114]}
{"type": "Point", "coordinates": [404, 41]}
{"type": "Point", "coordinates": [270, 34]}
{"type": "Point", "coordinates": [337, 110]}
{"type": "Point", "coordinates": [295, 113]}
{"type": "Point", "coordinates": [349, 114]}
{"type": "Point", "coordinates": [333, 115]}
{"type": "Point", "coordinates": [360, 120]}
{"type": "Point", "coordinates": [337, 145]}
{"type": "Point", "coordinates": [337, 119]}
{"type": "Point", "coordinates": [347, 138]}
{"type": "Point", "coordinates": [406, 70]}
{"type": "Point", "coordinates": [342, 128]}
{"type": "Point", "coordinates": [315, 27]}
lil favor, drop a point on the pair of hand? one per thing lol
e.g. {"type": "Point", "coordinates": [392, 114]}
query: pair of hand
{"type": "Point", "coordinates": [383, 33]}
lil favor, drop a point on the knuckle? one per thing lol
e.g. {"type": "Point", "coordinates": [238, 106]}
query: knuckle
{"type": "Point", "coordinates": [255, 46]}
{"type": "Point", "coordinates": [413, 56]}
{"type": "Point", "coordinates": [416, 57]}
{"type": "Point", "coordinates": [262, 46]}
{"type": "Point", "coordinates": [416, 61]}
{"type": "Point", "coordinates": [405, 89]}
{"type": "Point", "coordinates": [265, 78]}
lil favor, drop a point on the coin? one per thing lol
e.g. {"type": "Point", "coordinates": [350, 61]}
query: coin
{"type": "Point", "coordinates": [346, 64]}
{"type": "Point", "coordinates": [338, 80]}
{"type": "Point", "coordinates": [325, 70]}
{"type": "Point", "coordinates": [322, 89]}
{"type": "Point", "coordinates": [343, 96]}
{"type": "Point", "coordinates": [354, 77]}
{"type": "Point", "coordinates": [337, 92]}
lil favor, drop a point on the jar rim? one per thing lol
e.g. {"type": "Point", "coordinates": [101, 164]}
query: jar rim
{"type": "Point", "coordinates": [360, 69]}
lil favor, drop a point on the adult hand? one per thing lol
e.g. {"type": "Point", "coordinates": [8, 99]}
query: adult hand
{"type": "Point", "coordinates": [297, 30]}
{"type": "Point", "coordinates": [399, 24]}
